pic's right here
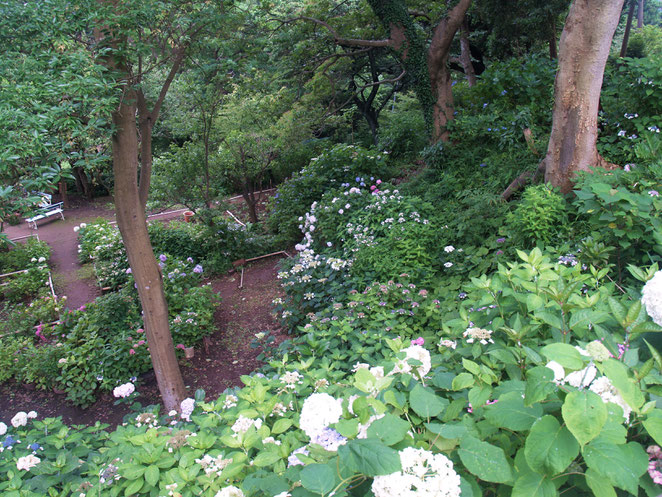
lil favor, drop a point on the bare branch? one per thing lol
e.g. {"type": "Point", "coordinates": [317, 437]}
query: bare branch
{"type": "Point", "coordinates": [347, 42]}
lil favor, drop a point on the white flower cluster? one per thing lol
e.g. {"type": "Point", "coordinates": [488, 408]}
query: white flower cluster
{"type": "Point", "coordinates": [213, 465]}
{"type": "Point", "coordinates": [423, 474]}
{"type": "Point", "coordinates": [21, 418]}
{"type": "Point", "coordinates": [587, 378]}
{"type": "Point", "coordinates": [318, 412]}
{"type": "Point", "coordinates": [230, 401]}
{"type": "Point", "coordinates": [27, 463]}
{"type": "Point", "coordinates": [483, 336]}
{"type": "Point", "coordinates": [230, 491]}
{"type": "Point", "coordinates": [187, 406]}
{"type": "Point", "coordinates": [652, 297]}
{"type": "Point", "coordinates": [243, 423]}
{"type": "Point", "coordinates": [418, 353]}
{"type": "Point", "coordinates": [3, 428]}
{"type": "Point", "coordinates": [124, 390]}
{"type": "Point", "coordinates": [291, 379]}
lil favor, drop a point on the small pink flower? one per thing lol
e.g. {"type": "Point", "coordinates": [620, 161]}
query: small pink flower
{"type": "Point", "coordinates": [379, 182]}
{"type": "Point", "coordinates": [373, 187]}
{"type": "Point", "coordinates": [131, 351]}
{"type": "Point", "coordinates": [418, 341]}
{"type": "Point", "coordinates": [140, 342]}
{"type": "Point", "coordinates": [180, 346]}
{"type": "Point", "coordinates": [140, 330]}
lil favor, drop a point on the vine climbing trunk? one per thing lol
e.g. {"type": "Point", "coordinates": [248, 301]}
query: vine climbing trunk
{"type": "Point", "coordinates": [583, 52]}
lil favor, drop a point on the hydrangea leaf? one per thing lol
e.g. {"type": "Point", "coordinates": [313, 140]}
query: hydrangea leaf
{"type": "Point", "coordinates": [539, 384]}
{"type": "Point", "coordinates": [425, 403]}
{"type": "Point", "coordinates": [281, 425]}
{"type": "Point", "coordinates": [152, 475]}
{"type": "Point", "coordinates": [617, 372]}
{"type": "Point", "coordinates": [370, 457]}
{"type": "Point", "coordinates": [653, 425]}
{"type": "Point", "coordinates": [566, 355]}
{"type": "Point", "coordinates": [585, 414]}
{"type": "Point", "coordinates": [622, 465]}
{"type": "Point", "coordinates": [484, 460]}
{"type": "Point", "coordinates": [598, 484]}
{"type": "Point", "coordinates": [550, 448]}
{"type": "Point", "coordinates": [534, 485]}
{"type": "Point", "coordinates": [511, 413]}
{"type": "Point", "coordinates": [318, 478]}
{"type": "Point", "coordinates": [390, 429]}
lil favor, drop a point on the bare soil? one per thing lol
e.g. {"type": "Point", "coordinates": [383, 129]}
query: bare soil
{"type": "Point", "coordinates": [218, 365]}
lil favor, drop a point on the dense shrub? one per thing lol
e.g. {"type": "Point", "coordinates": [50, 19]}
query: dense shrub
{"type": "Point", "coordinates": [341, 164]}
{"type": "Point", "coordinates": [540, 217]}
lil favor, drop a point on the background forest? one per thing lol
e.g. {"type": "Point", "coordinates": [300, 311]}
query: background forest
{"type": "Point", "coordinates": [471, 189]}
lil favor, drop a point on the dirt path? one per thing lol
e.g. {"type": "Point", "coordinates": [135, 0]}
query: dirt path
{"type": "Point", "coordinates": [216, 367]}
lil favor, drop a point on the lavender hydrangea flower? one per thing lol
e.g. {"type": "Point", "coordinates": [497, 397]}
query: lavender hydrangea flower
{"type": "Point", "coordinates": [197, 269]}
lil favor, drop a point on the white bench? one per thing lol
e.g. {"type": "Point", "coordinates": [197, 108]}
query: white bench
{"type": "Point", "coordinates": [45, 210]}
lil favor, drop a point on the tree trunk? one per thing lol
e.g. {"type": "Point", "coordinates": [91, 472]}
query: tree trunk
{"type": "Point", "coordinates": [145, 157]}
{"type": "Point", "coordinates": [553, 54]}
{"type": "Point", "coordinates": [465, 53]}
{"type": "Point", "coordinates": [640, 15]}
{"type": "Point", "coordinates": [628, 27]}
{"type": "Point", "coordinates": [81, 177]}
{"type": "Point", "coordinates": [62, 186]}
{"type": "Point", "coordinates": [133, 227]}
{"type": "Point", "coordinates": [438, 70]}
{"type": "Point", "coordinates": [583, 52]}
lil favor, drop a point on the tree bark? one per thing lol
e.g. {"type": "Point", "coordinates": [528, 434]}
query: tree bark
{"type": "Point", "coordinates": [628, 27]}
{"type": "Point", "coordinates": [62, 187]}
{"type": "Point", "coordinates": [439, 72]}
{"type": "Point", "coordinates": [640, 15]}
{"type": "Point", "coordinates": [465, 53]}
{"type": "Point", "coordinates": [583, 53]}
{"type": "Point", "coordinates": [553, 53]}
{"type": "Point", "coordinates": [133, 227]}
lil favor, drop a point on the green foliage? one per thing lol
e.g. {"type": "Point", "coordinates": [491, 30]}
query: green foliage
{"type": "Point", "coordinates": [402, 130]}
{"type": "Point", "coordinates": [540, 217]}
{"type": "Point", "coordinates": [646, 42]}
{"type": "Point", "coordinates": [623, 209]}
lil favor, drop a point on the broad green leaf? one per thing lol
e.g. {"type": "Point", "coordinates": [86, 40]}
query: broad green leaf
{"type": "Point", "coordinates": [152, 474]}
{"type": "Point", "coordinates": [462, 380]}
{"type": "Point", "coordinates": [390, 429]}
{"type": "Point", "coordinates": [484, 460]}
{"type": "Point", "coordinates": [370, 457]}
{"type": "Point", "coordinates": [617, 372]}
{"type": "Point", "coordinates": [265, 458]}
{"type": "Point", "coordinates": [598, 484]}
{"type": "Point", "coordinates": [584, 414]}
{"type": "Point", "coordinates": [318, 478]}
{"type": "Point", "coordinates": [539, 384]}
{"type": "Point", "coordinates": [534, 485]}
{"type": "Point", "coordinates": [653, 425]}
{"type": "Point", "coordinates": [550, 448]}
{"type": "Point", "coordinates": [281, 425]}
{"type": "Point", "coordinates": [622, 465]}
{"type": "Point", "coordinates": [425, 403]}
{"type": "Point", "coordinates": [348, 427]}
{"type": "Point", "coordinates": [133, 471]}
{"type": "Point", "coordinates": [511, 413]}
{"type": "Point", "coordinates": [134, 487]}
{"type": "Point", "coordinates": [566, 355]}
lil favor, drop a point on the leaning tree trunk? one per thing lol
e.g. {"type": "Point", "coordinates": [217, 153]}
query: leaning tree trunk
{"type": "Point", "coordinates": [133, 227]}
{"type": "Point", "coordinates": [583, 52]}
{"type": "Point", "coordinates": [465, 54]}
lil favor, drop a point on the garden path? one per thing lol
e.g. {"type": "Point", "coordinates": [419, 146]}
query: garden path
{"type": "Point", "coordinates": [228, 354]}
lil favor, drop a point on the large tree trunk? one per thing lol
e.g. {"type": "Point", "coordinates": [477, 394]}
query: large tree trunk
{"type": "Point", "coordinates": [640, 15]}
{"type": "Point", "coordinates": [133, 227]}
{"type": "Point", "coordinates": [628, 28]}
{"type": "Point", "coordinates": [583, 52]}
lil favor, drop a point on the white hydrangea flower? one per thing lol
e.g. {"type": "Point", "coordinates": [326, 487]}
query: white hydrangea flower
{"type": "Point", "coordinates": [604, 388]}
{"type": "Point", "coordinates": [32, 414]}
{"type": "Point", "coordinates": [449, 248]}
{"type": "Point", "coordinates": [423, 474]}
{"type": "Point", "coordinates": [3, 428]}
{"type": "Point", "coordinates": [243, 424]}
{"type": "Point", "coordinates": [418, 353]}
{"type": "Point", "coordinates": [187, 406]}
{"type": "Point", "coordinates": [21, 419]}
{"type": "Point", "coordinates": [559, 372]}
{"type": "Point", "coordinates": [124, 390]}
{"type": "Point", "coordinates": [318, 412]}
{"type": "Point", "coordinates": [230, 491]}
{"type": "Point", "coordinates": [582, 378]}
{"type": "Point", "coordinates": [283, 494]}
{"type": "Point", "coordinates": [651, 297]}
{"type": "Point", "coordinates": [27, 463]}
